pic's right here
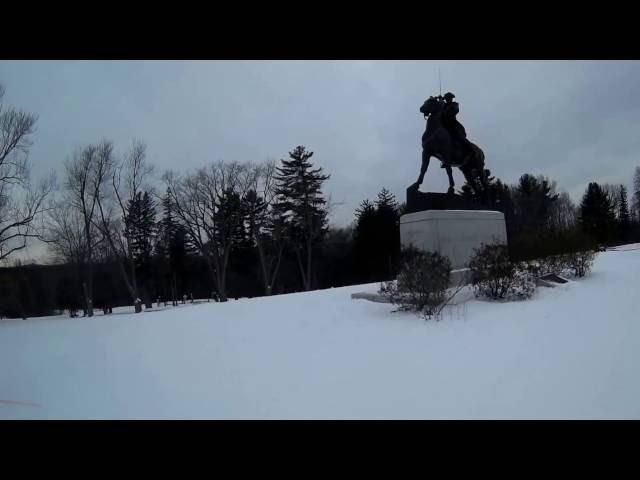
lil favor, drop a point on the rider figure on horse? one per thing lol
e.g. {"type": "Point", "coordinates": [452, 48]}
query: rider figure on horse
{"type": "Point", "coordinates": [451, 123]}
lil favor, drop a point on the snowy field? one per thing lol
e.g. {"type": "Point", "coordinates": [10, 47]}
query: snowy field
{"type": "Point", "coordinates": [570, 352]}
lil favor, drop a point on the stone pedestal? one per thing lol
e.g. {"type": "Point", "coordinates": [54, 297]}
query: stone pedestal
{"type": "Point", "coordinates": [418, 201]}
{"type": "Point", "coordinates": [452, 233]}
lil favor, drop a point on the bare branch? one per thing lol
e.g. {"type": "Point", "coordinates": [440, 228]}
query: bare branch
{"type": "Point", "coordinates": [21, 204]}
{"type": "Point", "coordinates": [21, 216]}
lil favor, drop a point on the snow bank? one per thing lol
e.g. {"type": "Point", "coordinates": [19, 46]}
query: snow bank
{"type": "Point", "coordinates": [570, 352]}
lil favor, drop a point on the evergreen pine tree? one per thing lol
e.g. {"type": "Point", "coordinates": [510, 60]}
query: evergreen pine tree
{"type": "Point", "coordinates": [303, 207]}
{"type": "Point", "coordinates": [140, 230]}
{"type": "Point", "coordinates": [365, 240]}
{"type": "Point", "coordinates": [533, 198]}
{"type": "Point", "coordinates": [166, 228]}
{"type": "Point", "coordinates": [596, 213]}
{"type": "Point", "coordinates": [635, 203]}
{"type": "Point", "coordinates": [263, 237]}
{"type": "Point", "coordinates": [498, 196]}
{"type": "Point", "coordinates": [229, 218]}
{"type": "Point", "coordinates": [140, 226]}
{"type": "Point", "coordinates": [377, 237]}
{"type": "Point", "coordinates": [146, 233]}
{"type": "Point", "coordinates": [624, 218]}
{"type": "Point", "coordinates": [253, 216]}
{"type": "Point", "coordinates": [172, 250]}
{"type": "Point", "coordinates": [388, 233]}
{"type": "Point", "coordinates": [386, 201]}
{"type": "Point", "coordinates": [365, 209]}
{"type": "Point", "coordinates": [273, 238]}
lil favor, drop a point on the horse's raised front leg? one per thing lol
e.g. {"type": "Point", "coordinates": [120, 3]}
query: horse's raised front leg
{"type": "Point", "coordinates": [450, 175]}
{"type": "Point", "coordinates": [426, 156]}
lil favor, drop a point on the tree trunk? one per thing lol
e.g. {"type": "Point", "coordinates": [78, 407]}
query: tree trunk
{"type": "Point", "coordinates": [88, 290]}
{"type": "Point", "coordinates": [134, 280]}
{"type": "Point", "coordinates": [173, 291]}
{"type": "Point", "coordinates": [223, 275]}
{"type": "Point", "coordinates": [130, 283]}
{"type": "Point", "coordinates": [133, 291]}
{"type": "Point", "coordinates": [222, 292]}
{"type": "Point", "coordinates": [146, 298]}
{"type": "Point", "coordinates": [301, 267]}
{"type": "Point", "coordinates": [268, 276]}
{"type": "Point", "coordinates": [275, 271]}
{"type": "Point", "coordinates": [215, 277]}
{"type": "Point", "coordinates": [87, 286]}
{"type": "Point", "coordinates": [263, 266]}
{"type": "Point", "coordinates": [308, 283]}
{"type": "Point", "coordinates": [87, 299]}
{"type": "Point", "coordinates": [220, 273]}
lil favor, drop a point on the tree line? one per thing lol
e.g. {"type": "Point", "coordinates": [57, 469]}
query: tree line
{"type": "Point", "coordinates": [541, 220]}
{"type": "Point", "coordinates": [117, 236]}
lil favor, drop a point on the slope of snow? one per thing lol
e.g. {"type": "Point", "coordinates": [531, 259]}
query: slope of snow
{"type": "Point", "coordinates": [625, 248]}
{"type": "Point", "coordinates": [570, 352]}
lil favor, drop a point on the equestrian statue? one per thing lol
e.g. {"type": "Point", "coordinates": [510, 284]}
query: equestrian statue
{"type": "Point", "coordinates": [446, 139]}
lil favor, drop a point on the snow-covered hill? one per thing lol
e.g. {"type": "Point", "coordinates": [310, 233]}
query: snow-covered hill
{"type": "Point", "coordinates": [570, 352]}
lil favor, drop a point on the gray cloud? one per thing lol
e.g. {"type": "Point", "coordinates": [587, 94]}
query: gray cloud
{"type": "Point", "coordinates": [574, 121]}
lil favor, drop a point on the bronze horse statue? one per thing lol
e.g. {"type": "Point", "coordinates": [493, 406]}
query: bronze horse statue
{"type": "Point", "coordinates": [453, 151]}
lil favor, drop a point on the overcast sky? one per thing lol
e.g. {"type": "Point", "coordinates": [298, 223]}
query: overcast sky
{"type": "Point", "coordinates": [573, 121]}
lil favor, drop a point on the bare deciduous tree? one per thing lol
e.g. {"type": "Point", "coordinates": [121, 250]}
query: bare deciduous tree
{"type": "Point", "coordinates": [266, 224]}
{"type": "Point", "coordinates": [208, 204]}
{"type": "Point", "coordinates": [564, 214]}
{"type": "Point", "coordinates": [66, 233]}
{"type": "Point", "coordinates": [613, 191]}
{"type": "Point", "coordinates": [128, 178]}
{"type": "Point", "coordinates": [87, 174]}
{"type": "Point", "coordinates": [22, 205]}
{"type": "Point", "coordinates": [66, 240]}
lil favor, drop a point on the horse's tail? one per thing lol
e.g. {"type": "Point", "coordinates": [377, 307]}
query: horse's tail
{"type": "Point", "coordinates": [474, 169]}
{"type": "Point", "coordinates": [478, 157]}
